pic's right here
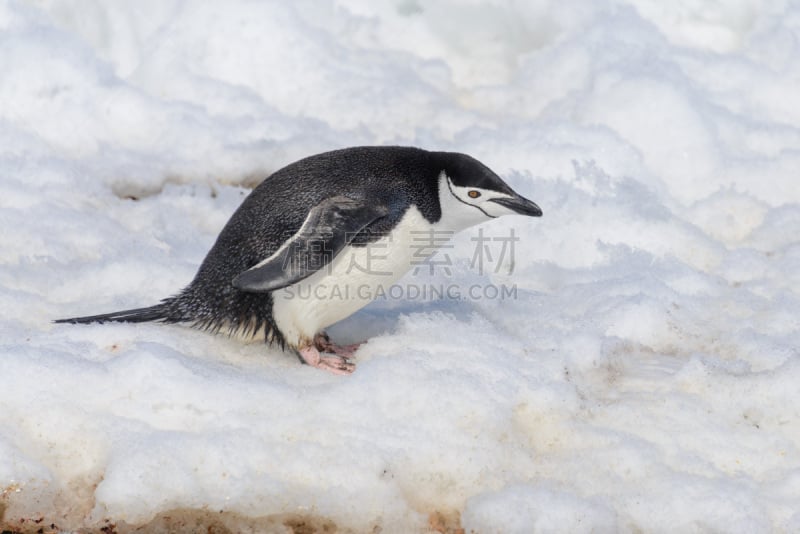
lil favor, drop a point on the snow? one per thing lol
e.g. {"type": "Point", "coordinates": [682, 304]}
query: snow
{"type": "Point", "coordinates": [642, 376]}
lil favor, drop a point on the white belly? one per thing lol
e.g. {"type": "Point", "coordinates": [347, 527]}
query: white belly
{"type": "Point", "coordinates": [350, 282]}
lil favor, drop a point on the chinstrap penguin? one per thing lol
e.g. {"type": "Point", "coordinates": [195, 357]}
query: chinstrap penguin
{"type": "Point", "coordinates": [317, 223]}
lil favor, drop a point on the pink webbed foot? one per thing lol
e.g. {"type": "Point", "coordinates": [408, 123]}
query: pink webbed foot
{"type": "Point", "coordinates": [323, 343]}
{"type": "Point", "coordinates": [333, 363]}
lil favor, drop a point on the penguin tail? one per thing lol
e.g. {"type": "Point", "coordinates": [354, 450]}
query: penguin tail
{"type": "Point", "coordinates": [137, 315]}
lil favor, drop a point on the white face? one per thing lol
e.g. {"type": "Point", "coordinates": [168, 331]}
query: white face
{"type": "Point", "coordinates": [463, 207]}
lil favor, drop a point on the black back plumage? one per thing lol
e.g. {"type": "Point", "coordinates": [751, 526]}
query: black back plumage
{"type": "Point", "coordinates": [396, 177]}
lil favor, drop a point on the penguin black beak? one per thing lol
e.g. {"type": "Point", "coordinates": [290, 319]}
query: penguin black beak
{"type": "Point", "coordinates": [521, 205]}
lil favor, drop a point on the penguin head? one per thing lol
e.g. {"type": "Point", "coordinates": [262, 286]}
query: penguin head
{"type": "Point", "coordinates": [470, 193]}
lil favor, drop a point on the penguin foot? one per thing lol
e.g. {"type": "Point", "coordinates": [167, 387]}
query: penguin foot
{"type": "Point", "coordinates": [333, 363]}
{"type": "Point", "coordinates": [323, 343]}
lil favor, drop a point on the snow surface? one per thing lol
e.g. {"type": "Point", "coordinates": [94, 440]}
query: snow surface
{"type": "Point", "coordinates": [645, 378]}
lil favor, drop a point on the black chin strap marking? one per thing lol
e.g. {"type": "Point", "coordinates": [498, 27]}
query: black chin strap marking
{"type": "Point", "coordinates": [447, 179]}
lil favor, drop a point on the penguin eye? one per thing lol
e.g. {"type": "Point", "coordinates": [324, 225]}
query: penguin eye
{"type": "Point", "coordinates": [474, 194]}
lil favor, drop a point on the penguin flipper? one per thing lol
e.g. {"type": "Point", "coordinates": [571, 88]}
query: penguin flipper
{"type": "Point", "coordinates": [329, 227]}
